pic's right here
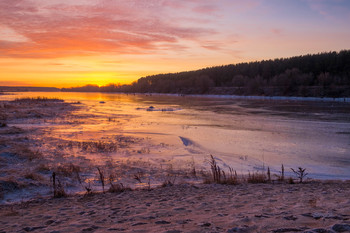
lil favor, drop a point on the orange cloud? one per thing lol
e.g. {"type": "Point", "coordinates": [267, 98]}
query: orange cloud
{"type": "Point", "coordinates": [61, 30]}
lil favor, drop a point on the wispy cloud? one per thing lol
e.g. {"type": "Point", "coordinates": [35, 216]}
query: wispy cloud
{"type": "Point", "coordinates": [122, 27]}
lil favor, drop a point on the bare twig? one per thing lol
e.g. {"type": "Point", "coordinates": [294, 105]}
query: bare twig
{"type": "Point", "coordinates": [300, 173]}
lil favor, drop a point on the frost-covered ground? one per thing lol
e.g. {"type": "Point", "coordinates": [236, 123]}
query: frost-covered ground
{"type": "Point", "coordinates": [140, 140]}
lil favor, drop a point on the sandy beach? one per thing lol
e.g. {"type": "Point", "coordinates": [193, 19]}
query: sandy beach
{"type": "Point", "coordinates": [311, 207]}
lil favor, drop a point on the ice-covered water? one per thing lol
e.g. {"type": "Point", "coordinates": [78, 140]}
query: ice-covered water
{"type": "Point", "coordinates": [246, 134]}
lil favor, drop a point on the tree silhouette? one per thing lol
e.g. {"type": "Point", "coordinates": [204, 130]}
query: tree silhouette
{"type": "Point", "coordinates": [319, 75]}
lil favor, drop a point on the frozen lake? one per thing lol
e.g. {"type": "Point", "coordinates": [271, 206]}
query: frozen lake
{"type": "Point", "coordinates": [245, 134]}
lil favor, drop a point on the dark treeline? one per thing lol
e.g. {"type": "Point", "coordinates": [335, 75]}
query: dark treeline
{"type": "Point", "coordinates": [319, 75]}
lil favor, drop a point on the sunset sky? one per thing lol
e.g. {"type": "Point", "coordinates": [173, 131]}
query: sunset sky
{"type": "Point", "coordinates": [65, 43]}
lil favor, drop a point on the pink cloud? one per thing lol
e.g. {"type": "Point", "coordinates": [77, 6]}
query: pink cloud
{"type": "Point", "coordinates": [276, 31]}
{"type": "Point", "coordinates": [120, 27]}
{"type": "Point", "coordinates": [206, 9]}
{"type": "Point", "coordinates": [212, 45]}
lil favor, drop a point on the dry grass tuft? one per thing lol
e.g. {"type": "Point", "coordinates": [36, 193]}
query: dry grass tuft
{"type": "Point", "coordinates": [68, 170]}
{"type": "Point", "coordinates": [139, 175]}
{"type": "Point", "coordinates": [23, 152]}
{"type": "Point", "coordinates": [215, 170]}
{"type": "Point", "coordinates": [256, 177]}
{"type": "Point", "coordinates": [118, 188]}
{"type": "Point", "coordinates": [36, 99]}
{"type": "Point", "coordinates": [232, 178]}
{"type": "Point", "coordinates": [93, 146]}
{"type": "Point", "coordinates": [281, 177]}
{"type": "Point", "coordinates": [219, 176]}
{"type": "Point", "coordinates": [169, 180]}
{"type": "Point", "coordinates": [100, 146]}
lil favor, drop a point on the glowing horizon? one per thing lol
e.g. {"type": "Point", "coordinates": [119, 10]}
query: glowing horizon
{"type": "Point", "coordinates": [65, 44]}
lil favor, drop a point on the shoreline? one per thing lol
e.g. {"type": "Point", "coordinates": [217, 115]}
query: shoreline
{"type": "Point", "coordinates": [70, 194]}
{"type": "Point", "coordinates": [246, 97]}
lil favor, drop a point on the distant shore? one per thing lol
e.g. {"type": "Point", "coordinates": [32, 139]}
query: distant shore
{"type": "Point", "coordinates": [249, 97]}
